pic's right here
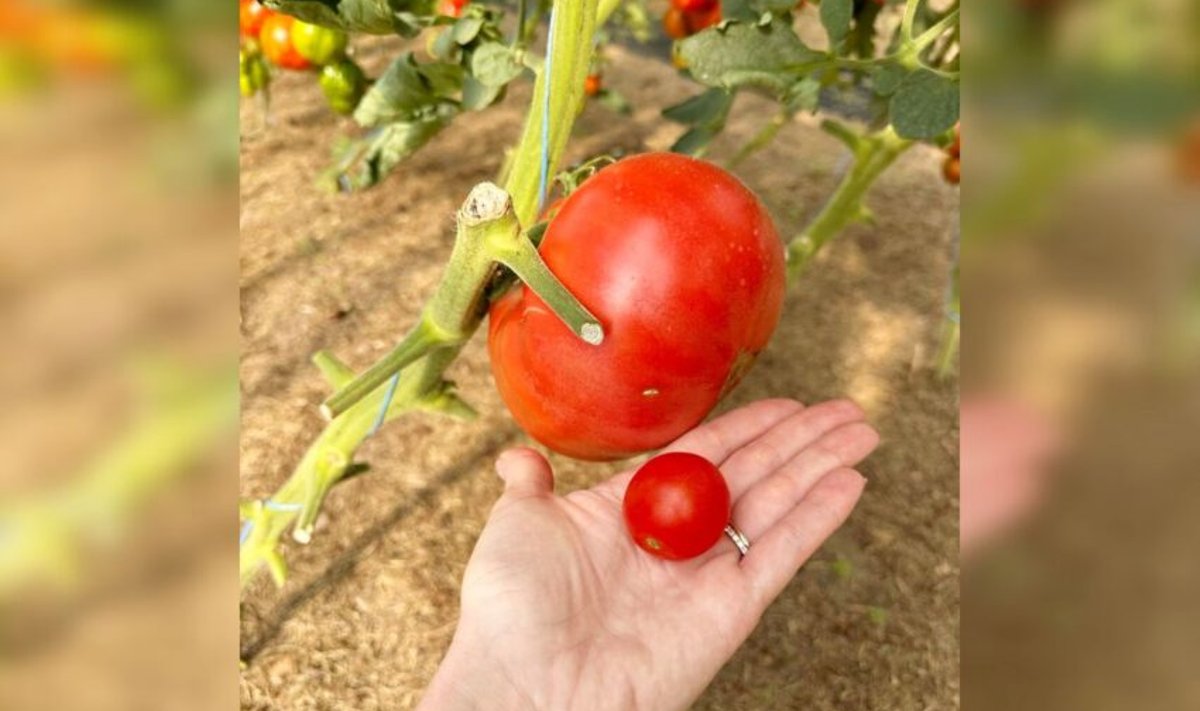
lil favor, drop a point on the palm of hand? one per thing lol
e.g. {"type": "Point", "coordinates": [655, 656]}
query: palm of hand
{"type": "Point", "coordinates": [581, 618]}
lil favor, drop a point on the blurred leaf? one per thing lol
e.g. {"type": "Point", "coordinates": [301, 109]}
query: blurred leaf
{"type": "Point", "coordinates": [924, 105]}
{"type": "Point", "coordinates": [738, 54]}
{"type": "Point", "coordinates": [466, 30]}
{"type": "Point", "coordinates": [614, 101]}
{"type": "Point", "coordinates": [836, 16]}
{"type": "Point", "coordinates": [495, 64]}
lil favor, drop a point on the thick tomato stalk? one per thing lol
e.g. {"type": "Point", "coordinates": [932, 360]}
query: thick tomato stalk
{"type": "Point", "coordinates": [683, 267]}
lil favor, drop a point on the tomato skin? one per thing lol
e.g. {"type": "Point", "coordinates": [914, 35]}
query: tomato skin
{"type": "Point", "coordinates": [674, 24]}
{"type": "Point", "coordinates": [251, 16]}
{"type": "Point", "coordinates": [688, 290]}
{"type": "Point", "coordinates": [676, 506]}
{"type": "Point", "coordinates": [451, 8]}
{"type": "Point", "coordinates": [277, 46]}
{"type": "Point", "coordinates": [695, 5]}
{"type": "Point", "coordinates": [319, 45]}
{"type": "Point", "coordinates": [702, 19]}
{"type": "Point", "coordinates": [343, 84]}
{"type": "Point", "coordinates": [592, 84]}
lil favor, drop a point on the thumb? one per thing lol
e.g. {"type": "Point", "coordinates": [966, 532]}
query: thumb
{"type": "Point", "coordinates": [525, 473]}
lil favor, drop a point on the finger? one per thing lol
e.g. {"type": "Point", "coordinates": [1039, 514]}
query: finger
{"type": "Point", "coordinates": [775, 558]}
{"type": "Point", "coordinates": [766, 454]}
{"type": "Point", "coordinates": [769, 500]}
{"type": "Point", "coordinates": [525, 473]}
{"type": "Point", "coordinates": [717, 439]}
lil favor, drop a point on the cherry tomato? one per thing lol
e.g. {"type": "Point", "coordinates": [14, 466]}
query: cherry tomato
{"type": "Point", "coordinates": [684, 269]}
{"type": "Point", "coordinates": [343, 84]}
{"type": "Point", "coordinates": [674, 25]}
{"type": "Point", "coordinates": [277, 46]}
{"type": "Point", "coordinates": [319, 45]}
{"type": "Point", "coordinates": [956, 147]}
{"type": "Point", "coordinates": [251, 16]}
{"type": "Point", "coordinates": [676, 506]}
{"type": "Point", "coordinates": [451, 8]}
{"type": "Point", "coordinates": [591, 85]}
{"type": "Point", "coordinates": [951, 170]}
{"type": "Point", "coordinates": [695, 5]}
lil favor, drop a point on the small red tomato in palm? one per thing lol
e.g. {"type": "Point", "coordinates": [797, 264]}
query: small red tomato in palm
{"type": "Point", "coordinates": [591, 85]}
{"type": "Point", "coordinates": [702, 19]}
{"type": "Point", "coordinates": [695, 5]}
{"type": "Point", "coordinates": [451, 8]}
{"type": "Point", "coordinates": [684, 269]}
{"type": "Point", "coordinates": [674, 24]}
{"type": "Point", "coordinates": [676, 506]}
{"type": "Point", "coordinates": [251, 16]}
{"type": "Point", "coordinates": [277, 46]}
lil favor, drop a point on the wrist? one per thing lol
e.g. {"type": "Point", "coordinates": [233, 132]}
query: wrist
{"type": "Point", "coordinates": [471, 679]}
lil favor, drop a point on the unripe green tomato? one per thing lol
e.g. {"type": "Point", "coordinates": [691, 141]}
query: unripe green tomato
{"type": "Point", "coordinates": [252, 72]}
{"type": "Point", "coordinates": [319, 45]}
{"type": "Point", "coordinates": [343, 84]}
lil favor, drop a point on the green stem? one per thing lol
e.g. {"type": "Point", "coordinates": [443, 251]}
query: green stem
{"type": "Point", "coordinates": [910, 16]}
{"type": "Point", "coordinates": [873, 154]}
{"type": "Point", "coordinates": [574, 25]}
{"type": "Point", "coordinates": [523, 259]}
{"type": "Point", "coordinates": [761, 140]}
{"type": "Point", "coordinates": [949, 348]}
{"type": "Point", "coordinates": [489, 233]}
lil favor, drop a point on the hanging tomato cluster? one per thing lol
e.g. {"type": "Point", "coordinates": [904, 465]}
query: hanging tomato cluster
{"type": "Point", "coordinates": [289, 43]}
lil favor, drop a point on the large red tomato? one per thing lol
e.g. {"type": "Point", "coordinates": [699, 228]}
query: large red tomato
{"type": "Point", "coordinates": [683, 267]}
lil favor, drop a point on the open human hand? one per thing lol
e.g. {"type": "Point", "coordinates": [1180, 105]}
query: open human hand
{"type": "Point", "coordinates": [562, 611]}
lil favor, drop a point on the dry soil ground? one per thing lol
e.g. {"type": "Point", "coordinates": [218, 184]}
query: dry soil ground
{"type": "Point", "coordinates": [872, 620]}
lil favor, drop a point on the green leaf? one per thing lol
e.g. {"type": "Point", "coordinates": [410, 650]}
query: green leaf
{"type": "Point", "coordinates": [694, 142]}
{"type": "Point", "coordinates": [398, 94]}
{"type": "Point", "coordinates": [924, 105]}
{"type": "Point", "coordinates": [467, 29]}
{"type": "Point", "coordinates": [476, 95]}
{"type": "Point", "coordinates": [444, 47]}
{"type": "Point", "coordinates": [379, 17]}
{"type": "Point", "coordinates": [803, 95]}
{"type": "Point", "coordinates": [364, 162]}
{"type": "Point", "coordinates": [495, 64]}
{"type": "Point", "coordinates": [836, 16]}
{"type": "Point", "coordinates": [706, 108]}
{"type": "Point", "coordinates": [886, 78]}
{"type": "Point", "coordinates": [738, 54]}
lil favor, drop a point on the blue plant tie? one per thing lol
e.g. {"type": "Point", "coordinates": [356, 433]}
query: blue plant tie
{"type": "Point", "coordinates": [387, 401]}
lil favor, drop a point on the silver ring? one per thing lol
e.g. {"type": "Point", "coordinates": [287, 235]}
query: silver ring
{"type": "Point", "coordinates": [739, 539]}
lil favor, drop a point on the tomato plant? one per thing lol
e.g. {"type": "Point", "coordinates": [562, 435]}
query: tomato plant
{"type": "Point", "coordinates": [688, 291]}
{"type": "Point", "coordinates": [621, 318]}
{"type": "Point", "coordinates": [277, 45]}
{"type": "Point", "coordinates": [677, 506]}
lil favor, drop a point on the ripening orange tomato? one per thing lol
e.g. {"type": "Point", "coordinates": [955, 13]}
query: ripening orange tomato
{"type": "Point", "coordinates": [277, 46]}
